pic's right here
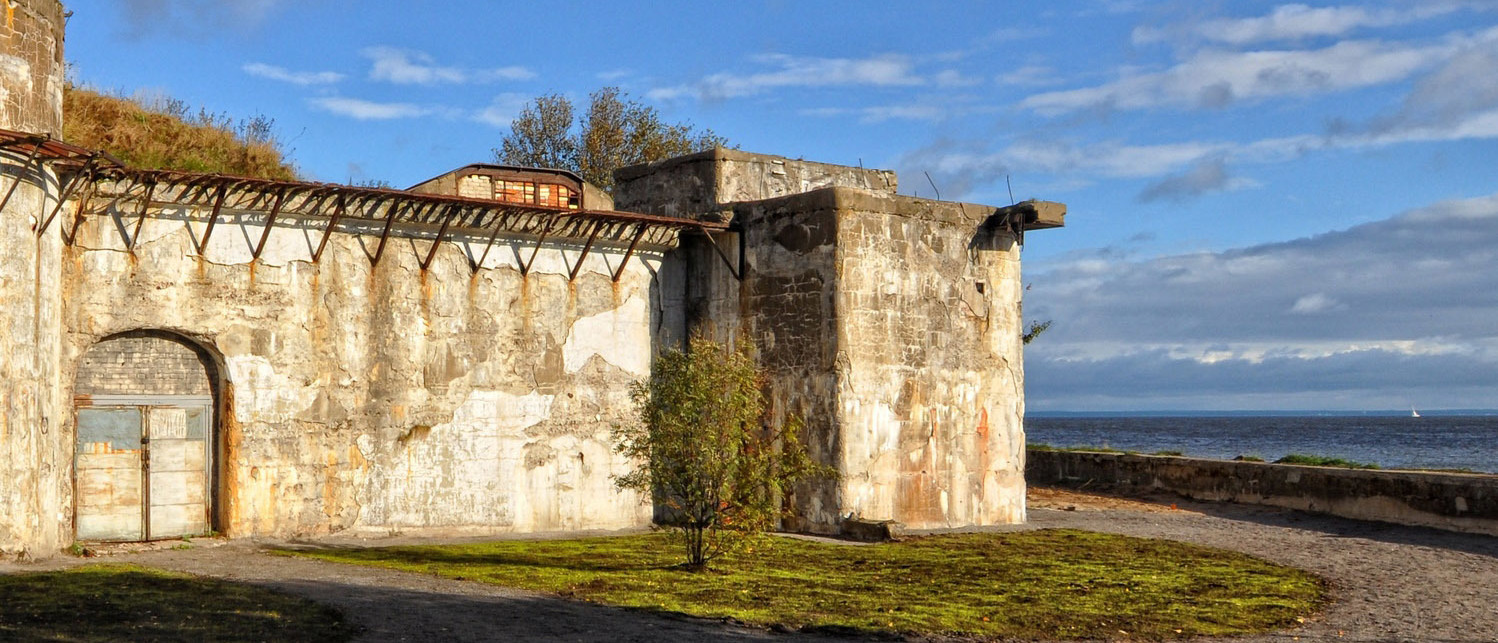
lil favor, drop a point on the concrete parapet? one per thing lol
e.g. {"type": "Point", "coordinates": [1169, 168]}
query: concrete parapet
{"type": "Point", "coordinates": [1454, 501]}
{"type": "Point", "coordinates": [703, 183]}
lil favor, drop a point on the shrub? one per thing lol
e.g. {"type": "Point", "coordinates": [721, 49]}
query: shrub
{"type": "Point", "coordinates": [707, 455]}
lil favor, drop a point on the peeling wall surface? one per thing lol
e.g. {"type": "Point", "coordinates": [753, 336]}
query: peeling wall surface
{"type": "Point", "coordinates": [34, 450]}
{"type": "Point", "coordinates": [387, 398]}
{"type": "Point", "coordinates": [889, 324]}
{"type": "Point", "coordinates": [373, 366]}
{"type": "Point", "coordinates": [931, 391]}
{"type": "Point", "coordinates": [706, 182]}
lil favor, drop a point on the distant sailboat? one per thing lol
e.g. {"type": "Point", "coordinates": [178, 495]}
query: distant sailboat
{"type": "Point", "coordinates": [1414, 413]}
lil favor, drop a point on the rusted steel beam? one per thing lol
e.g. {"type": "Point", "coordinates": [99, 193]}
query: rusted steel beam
{"type": "Point", "coordinates": [525, 268]}
{"type": "Point", "coordinates": [597, 227]}
{"type": "Point", "coordinates": [452, 210]}
{"type": "Point", "coordinates": [737, 272]}
{"type": "Point", "coordinates": [639, 234]}
{"type": "Point", "coordinates": [93, 184]}
{"type": "Point", "coordinates": [327, 232]}
{"type": "Point", "coordinates": [270, 222]}
{"type": "Point", "coordinates": [218, 204]}
{"type": "Point", "coordinates": [36, 149]}
{"type": "Point", "coordinates": [385, 234]}
{"type": "Point", "coordinates": [140, 220]}
{"type": "Point", "coordinates": [67, 191]}
{"type": "Point", "coordinates": [500, 220]}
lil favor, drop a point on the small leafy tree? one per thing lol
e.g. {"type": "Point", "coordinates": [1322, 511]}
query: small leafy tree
{"type": "Point", "coordinates": [706, 453]}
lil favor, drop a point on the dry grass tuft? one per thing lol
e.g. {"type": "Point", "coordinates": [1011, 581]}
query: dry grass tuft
{"type": "Point", "coordinates": [166, 134]}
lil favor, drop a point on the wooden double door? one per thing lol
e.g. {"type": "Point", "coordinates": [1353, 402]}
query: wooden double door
{"type": "Point", "coordinates": [143, 468]}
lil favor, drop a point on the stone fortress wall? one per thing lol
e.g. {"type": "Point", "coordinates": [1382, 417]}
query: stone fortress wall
{"type": "Point", "coordinates": [468, 379]}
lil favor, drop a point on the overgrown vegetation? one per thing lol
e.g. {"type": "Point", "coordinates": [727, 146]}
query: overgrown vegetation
{"type": "Point", "coordinates": [166, 133]}
{"type": "Point", "coordinates": [1040, 446]}
{"type": "Point", "coordinates": [1323, 461]}
{"type": "Point", "coordinates": [131, 603]}
{"type": "Point", "coordinates": [1034, 330]}
{"type": "Point", "coordinates": [1053, 584]}
{"type": "Point", "coordinates": [706, 451]}
{"type": "Point", "coordinates": [615, 132]}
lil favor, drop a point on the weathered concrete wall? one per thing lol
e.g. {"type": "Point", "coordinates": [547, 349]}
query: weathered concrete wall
{"type": "Point", "coordinates": [890, 324]}
{"type": "Point", "coordinates": [1460, 502]}
{"type": "Point", "coordinates": [388, 398]}
{"type": "Point", "coordinates": [31, 66]}
{"type": "Point", "coordinates": [702, 183]}
{"type": "Point", "coordinates": [787, 310]}
{"type": "Point", "coordinates": [930, 371]}
{"type": "Point", "coordinates": [31, 471]}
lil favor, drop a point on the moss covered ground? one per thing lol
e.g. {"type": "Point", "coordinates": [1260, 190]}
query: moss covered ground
{"type": "Point", "coordinates": [114, 602]}
{"type": "Point", "coordinates": [1044, 584]}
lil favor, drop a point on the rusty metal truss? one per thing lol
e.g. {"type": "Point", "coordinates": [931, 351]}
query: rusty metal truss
{"type": "Point", "coordinates": [437, 218]}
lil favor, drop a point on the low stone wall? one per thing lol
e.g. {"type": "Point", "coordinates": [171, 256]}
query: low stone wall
{"type": "Point", "coordinates": [1455, 501]}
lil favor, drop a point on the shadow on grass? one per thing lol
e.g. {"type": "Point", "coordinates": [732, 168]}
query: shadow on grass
{"type": "Point", "coordinates": [453, 611]}
{"type": "Point", "coordinates": [127, 602]}
{"type": "Point", "coordinates": [441, 555]}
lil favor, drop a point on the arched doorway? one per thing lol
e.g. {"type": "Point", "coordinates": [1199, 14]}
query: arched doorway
{"type": "Point", "coordinates": [144, 453]}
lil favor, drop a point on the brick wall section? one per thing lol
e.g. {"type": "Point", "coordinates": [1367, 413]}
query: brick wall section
{"type": "Point", "coordinates": [137, 365]}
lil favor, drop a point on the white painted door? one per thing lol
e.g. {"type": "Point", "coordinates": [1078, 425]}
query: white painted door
{"type": "Point", "coordinates": [143, 472]}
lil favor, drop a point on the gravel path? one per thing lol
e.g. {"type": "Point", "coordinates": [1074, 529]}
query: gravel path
{"type": "Point", "coordinates": [1389, 583]}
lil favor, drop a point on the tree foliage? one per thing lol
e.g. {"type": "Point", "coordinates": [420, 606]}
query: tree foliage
{"type": "Point", "coordinates": [706, 453]}
{"type": "Point", "coordinates": [615, 132]}
{"type": "Point", "coordinates": [1035, 329]}
{"type": "Point", "coordinates": [166, 133]}
{"type": "Point", "coordinates": [541, 136]}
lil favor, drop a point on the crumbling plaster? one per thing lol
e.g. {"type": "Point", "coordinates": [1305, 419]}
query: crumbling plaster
{"type": "Point", "coordinates": [891, 324]}
{"type": "Point", "coordinates": [33, 461]}
{"type": "Point", "coordinates": [385, 397]}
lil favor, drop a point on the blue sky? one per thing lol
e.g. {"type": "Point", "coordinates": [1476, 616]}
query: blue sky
{"type": "Point", "coordinates": [1272, 206]}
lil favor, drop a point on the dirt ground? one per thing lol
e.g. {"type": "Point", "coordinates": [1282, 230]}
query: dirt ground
{"type": "Point", "coordinates": [1389, 583]}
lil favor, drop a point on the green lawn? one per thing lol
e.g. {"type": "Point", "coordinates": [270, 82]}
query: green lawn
{"type": "Point", "coordinates": [1052, 583]}
{"type": "Point", "coordinates": [130, 603]}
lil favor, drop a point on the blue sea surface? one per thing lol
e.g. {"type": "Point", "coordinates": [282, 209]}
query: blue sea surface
{"type": "Point", "coordinates": [1391, 442]}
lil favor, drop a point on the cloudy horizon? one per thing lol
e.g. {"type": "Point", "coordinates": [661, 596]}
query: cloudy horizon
{"type": "Point", "coordinates": [1395, 313]}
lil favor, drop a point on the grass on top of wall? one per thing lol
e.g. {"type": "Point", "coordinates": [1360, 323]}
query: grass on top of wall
{"type": "Point", "coordinates": [1323, 461]}
{"type": "Point", "coordinates": [1049, 584]}
{"type": "Point", "coordinates": [115, 602]}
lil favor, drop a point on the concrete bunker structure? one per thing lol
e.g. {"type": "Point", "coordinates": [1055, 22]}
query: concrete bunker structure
{"type": "Point", "coordinates": [183, 353]}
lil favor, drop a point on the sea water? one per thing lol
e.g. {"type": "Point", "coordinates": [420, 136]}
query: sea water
{"type": "Point", "coordinates": [1391, 441]}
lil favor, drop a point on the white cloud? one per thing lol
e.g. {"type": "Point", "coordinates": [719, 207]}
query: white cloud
{"type": "Point", "coordinates": [407, 67]}
{"type": "Point", "coordinates": [954, 78]}
{"type": "Point", "coordinates": [368, 110]}
{"type": "Point", "coordinates": [1315, 303]}
{"type": "Point", "coordinates": [193, 18]}
{"type": "Point", "coordinates": [794, 71]}
{"type": "Point", "coordinates": [502, 110]}
{"type": "Point", "coordinates": [1295, 21]}
{"type": "Point", "coordinates": [1029, 75]}
{"type": "Point", "coordinates": [1407, 301]}
{"type": "Point", "coordinates": [1205, 176]}
{"type": "Point", "coordinates": [1108, 158]}
{"type": "Point", "coordinates": [284, 75]}
{"type": "Point", "coordinates": [1217, 78]}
